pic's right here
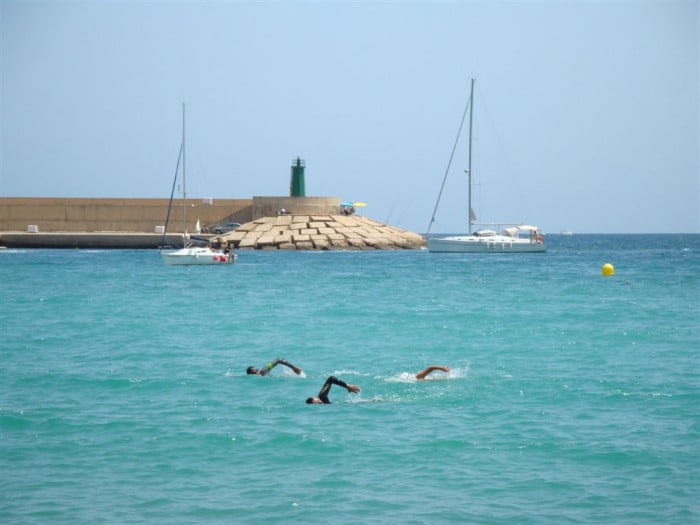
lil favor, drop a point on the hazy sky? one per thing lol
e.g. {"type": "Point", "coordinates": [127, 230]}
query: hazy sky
{"type": "Point", "coordinates": [586, 112]}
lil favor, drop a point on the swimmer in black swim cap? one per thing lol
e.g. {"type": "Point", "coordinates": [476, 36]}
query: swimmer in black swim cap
{"type": "Point", "coordinates": [322, 398]}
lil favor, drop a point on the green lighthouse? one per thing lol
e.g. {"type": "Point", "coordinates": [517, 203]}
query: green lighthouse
{"type": "Point", "coordinates": [296, 186]}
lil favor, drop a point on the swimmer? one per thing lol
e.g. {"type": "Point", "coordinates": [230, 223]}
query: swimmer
{"type": "Point", "coordinates": [424, 373]}
{"type": "Point", "coordinates": [322, 398]}
{"type": "Point", "coordinates": [251, 370]}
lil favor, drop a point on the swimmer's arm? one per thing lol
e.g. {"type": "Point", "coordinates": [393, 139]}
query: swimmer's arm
{"type": "Point", "coordinates": [269, 366]}
{"type": "Point", "coordinates": [352, 388]}
{"type": "Point", "coordinates": [349, 387]}
{"type": "Point", "coordinates": [424, 373]}
{"type": "Point", "coordinates": [294, 368]}
{"type": "Point", "coordinates": [279, 361]}
{"type": "Point", "coordinates": [332, 380]}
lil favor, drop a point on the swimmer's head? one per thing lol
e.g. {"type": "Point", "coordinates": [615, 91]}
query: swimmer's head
{"type": "Point", "coordinates": [251, 370]}
{"type": "Point", "coordinates": [314, 401]}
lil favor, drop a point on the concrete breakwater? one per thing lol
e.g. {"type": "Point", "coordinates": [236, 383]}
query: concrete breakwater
{"type": "Point", "coordinates": [320, 232]}
{"type": "Point", "coordinates": [309, 223]}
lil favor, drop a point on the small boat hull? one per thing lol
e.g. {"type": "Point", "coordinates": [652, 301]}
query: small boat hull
{"type": "Point", "coordinates": [475, 244]}
{"type": "Point", "coordinates": [196, 256]}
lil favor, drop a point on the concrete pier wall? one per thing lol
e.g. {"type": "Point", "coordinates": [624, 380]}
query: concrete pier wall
{"type": "Point", "coordinates": [271, 206]}
{"type": "Point", "coordinates": [116, 215]}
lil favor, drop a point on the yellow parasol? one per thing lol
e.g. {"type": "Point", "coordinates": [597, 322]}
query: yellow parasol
{"type": "Point", "coordinates": [359, 204]}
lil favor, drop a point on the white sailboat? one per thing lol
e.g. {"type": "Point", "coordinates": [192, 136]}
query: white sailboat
{"type": "Point", "coordinates": [188, 254]}
{"type": "Point", "coordinates": [512, 238]}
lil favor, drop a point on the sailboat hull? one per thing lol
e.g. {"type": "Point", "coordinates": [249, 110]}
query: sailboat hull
{"type": "Point", "coordinates": [196, 256]}
{"type": "Point", "coordinates": [475, 244]}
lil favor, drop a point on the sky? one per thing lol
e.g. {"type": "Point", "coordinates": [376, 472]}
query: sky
{"type": "Point", "coordinates": [586, 113]}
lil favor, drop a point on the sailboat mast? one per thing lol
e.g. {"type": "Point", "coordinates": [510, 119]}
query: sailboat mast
{"type": "Point", "coordinates": [184, 182]}
{"type": "Point", "coordinates": [469, 161]}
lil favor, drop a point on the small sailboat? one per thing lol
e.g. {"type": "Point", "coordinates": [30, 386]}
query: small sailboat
{"type": "Point", "coordinates": [512, 238]}
{"type": "Point", "coordinates": [196, 255]}
{"type": "Point", "coordinates": [190, 254]}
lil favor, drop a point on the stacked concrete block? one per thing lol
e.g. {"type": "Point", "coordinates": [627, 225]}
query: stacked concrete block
{"type": "Point", "coordinates": [321, 232]}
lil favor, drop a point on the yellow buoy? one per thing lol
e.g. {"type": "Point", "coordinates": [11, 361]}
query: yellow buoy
{"type": "Point", "coordinates": [608, 270]}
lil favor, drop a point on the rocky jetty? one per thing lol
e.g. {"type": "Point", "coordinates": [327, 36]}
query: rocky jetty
{"type": "Point", "coordinates": [320, 232]}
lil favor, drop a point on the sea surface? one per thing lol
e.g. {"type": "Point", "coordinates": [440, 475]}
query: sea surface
{"type": "Point", "coordinates": [572, 397]}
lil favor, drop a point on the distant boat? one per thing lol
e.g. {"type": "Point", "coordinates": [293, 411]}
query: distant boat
{"type": "Point", "coordinates": [189, 254]}
{"type": "Point", "coordinates": [512, 238]}
{"type": "Point", "coordinates": [566, 233]}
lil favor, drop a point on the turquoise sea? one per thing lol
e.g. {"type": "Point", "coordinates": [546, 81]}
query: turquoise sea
{"type": "Point", "coordinates": [573, 398]}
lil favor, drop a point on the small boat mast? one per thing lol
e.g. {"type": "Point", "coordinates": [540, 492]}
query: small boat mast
{"type": "Point", "coordinates": [469, 157]}
{"type": "Point", "coordinates": [184, 182]}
